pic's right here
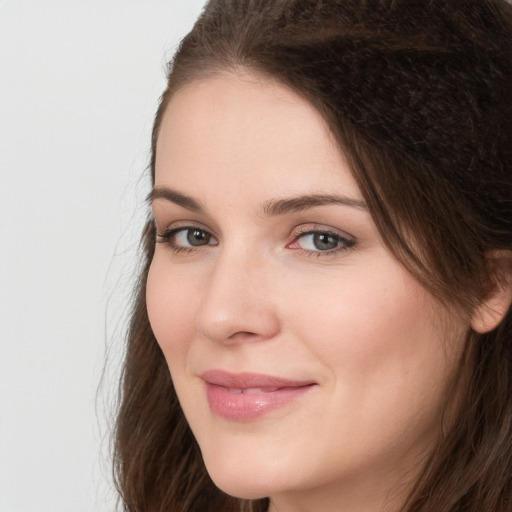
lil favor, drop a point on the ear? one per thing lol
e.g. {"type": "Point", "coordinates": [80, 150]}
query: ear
{"type": "Point", "coordinates": [493, 308]}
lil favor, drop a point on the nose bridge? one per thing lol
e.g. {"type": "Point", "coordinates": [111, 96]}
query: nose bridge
{"type": "Point", "coordinates": [237, 303]}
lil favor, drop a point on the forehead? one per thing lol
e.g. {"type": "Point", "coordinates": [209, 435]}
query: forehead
{"type": "Point", "coordinates": [248, 129]}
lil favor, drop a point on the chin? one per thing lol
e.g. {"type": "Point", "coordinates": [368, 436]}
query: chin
{"type": "Point", "coordinates": [249, 482]}
{"type": "Point", "coordinates": [247, 486]}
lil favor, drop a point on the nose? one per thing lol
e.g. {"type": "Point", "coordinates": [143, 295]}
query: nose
{"type": "Point", "coordinates": [237, 305]}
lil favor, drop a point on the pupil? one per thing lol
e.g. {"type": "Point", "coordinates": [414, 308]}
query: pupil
{"type": "Point", "coordinates": [197, 237]}
{"type": "Point", "coordinates": [324, 241]}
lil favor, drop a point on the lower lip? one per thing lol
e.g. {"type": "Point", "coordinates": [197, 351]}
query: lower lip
{"type": "Point", "coordinates": [250, 406]}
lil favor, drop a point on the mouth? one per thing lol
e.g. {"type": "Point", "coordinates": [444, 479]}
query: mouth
{"type": "Point", "coordinates": [251, 391]}
{"type": "Point", "coordinates": [248, 396]}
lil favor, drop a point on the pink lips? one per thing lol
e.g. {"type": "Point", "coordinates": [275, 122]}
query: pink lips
{"type": "Point", "coordinates": [247, 396]}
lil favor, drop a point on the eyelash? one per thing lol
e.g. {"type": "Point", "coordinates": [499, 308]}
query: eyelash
{"type": "Point", "coordinates": [343, 243]}
{"type": "Point", "coordinates": [167, 237]}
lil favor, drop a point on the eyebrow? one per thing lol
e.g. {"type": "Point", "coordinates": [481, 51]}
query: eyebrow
{"type": "Point", "coordinates": [176, 197]}
{"type": "Point", "coordinates": [273, 207]}
{"type": "Point", "coordinates": [301, 203]}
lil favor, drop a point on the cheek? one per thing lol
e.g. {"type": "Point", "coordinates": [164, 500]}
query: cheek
{"type": "Point", "coordinates": [359, 316]}
{"type": "Point", "coordinates": [170, 299]}
{"type": "Point", "coordinates": [387, 365]}
{"type": "Point", "coordinates": [379, 338]}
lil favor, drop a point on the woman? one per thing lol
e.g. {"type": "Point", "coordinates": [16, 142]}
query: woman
{"type": "Point", "coordinates": [323, 318]}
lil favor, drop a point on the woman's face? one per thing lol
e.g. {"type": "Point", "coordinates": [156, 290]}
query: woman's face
{"type": "Point", "coordinates": [309, 363]}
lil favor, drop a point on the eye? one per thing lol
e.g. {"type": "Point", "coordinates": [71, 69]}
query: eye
{"type": "Point", "coordinates": [319, 241]}
{"type": "Point", "coordinates": [192, 236]}
{"type": "Point", "coordinates": [315, 241]}
{"type": "Point", "coordinates": [187, 238]}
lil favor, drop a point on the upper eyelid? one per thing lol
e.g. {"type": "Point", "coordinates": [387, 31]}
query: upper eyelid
{"type": "Point", "coordinates": [297, 231]}
{"type": "Point", "coordinates": [168, 235]}
{"type": "Point", "coordinates": [160, 212]}
{"type": "Point", "coordinates": [171, 231]}
{"type": "Point", "coordinates": [184, 224]}
{"type": "Point", "coordinates": [308, 228]}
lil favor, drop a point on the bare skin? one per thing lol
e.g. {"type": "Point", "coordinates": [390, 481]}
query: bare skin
{"type": "Point", "coordinates": [270, 263]}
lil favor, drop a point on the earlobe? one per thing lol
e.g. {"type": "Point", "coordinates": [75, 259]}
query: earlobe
{"type": "Point", "coordinates": [493, 308]}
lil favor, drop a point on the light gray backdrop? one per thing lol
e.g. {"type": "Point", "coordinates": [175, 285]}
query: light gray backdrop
{"type": "Point", "coordinates": [79, 84]}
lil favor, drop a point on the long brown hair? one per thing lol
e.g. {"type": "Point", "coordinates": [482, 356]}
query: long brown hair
{"type": "Point", "coordinates": [418, 95]}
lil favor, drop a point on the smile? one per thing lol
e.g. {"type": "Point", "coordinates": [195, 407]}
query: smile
{"type": "Point", "coordinates": [248, 396]}
{"type": "Point", "coordinates": [251, 391]}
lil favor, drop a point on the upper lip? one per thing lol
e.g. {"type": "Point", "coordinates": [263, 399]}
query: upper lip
{"type": "Point", "coordinates": [246, 380]}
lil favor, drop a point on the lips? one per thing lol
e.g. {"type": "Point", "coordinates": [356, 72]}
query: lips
{"type": "Point", "coordinates": [252, 391]}
{"type": "Point", "coordinates": [248, 396]}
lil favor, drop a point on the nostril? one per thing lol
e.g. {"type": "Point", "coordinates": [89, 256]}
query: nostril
{"type": "Point", "coordinates": [243, 335]}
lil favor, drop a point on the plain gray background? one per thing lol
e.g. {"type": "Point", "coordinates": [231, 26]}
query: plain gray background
{"type": "Point", "coordinates": [79, 84]}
